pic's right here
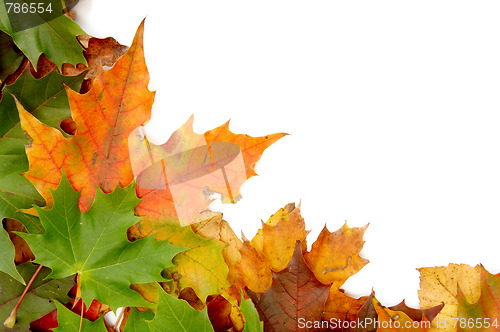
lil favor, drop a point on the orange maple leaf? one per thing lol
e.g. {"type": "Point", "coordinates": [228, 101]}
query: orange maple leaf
{"type": "Point", "coordinates": [97, 155]}
{"type": "Point", "coordinates": [175, 180]}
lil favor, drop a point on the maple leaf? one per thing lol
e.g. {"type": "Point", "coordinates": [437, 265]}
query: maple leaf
{"type": "Point", "coordinates": [69, 321]}
{"type": "Point", "coordinates": [295, 294]}
{"type": "Point", "coordinates": [96, 156]}
{"type": "Point", "coordinates": [440, 285]}
{"type": "Point", "coordinates": [190, 165]}
{"type": "Point", "coordinates": [487, 306]}
{"type": "Point", "coordinates": [56, 38]}
{"type": "Point", "coordinates": [94, 246]}
{"type": "Point", "coordinates": [333, 258]}
{"type": "Point", "coordinates": [39, 299]}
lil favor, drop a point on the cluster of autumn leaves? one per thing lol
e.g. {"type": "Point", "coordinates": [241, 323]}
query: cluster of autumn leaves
{"type": "Point", "coordinates": [92, 239]}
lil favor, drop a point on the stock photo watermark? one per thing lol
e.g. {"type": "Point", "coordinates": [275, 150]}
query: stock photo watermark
{"type": "Point", "coordinates": [26, 14]}
{"type": "Point", "coordinates": [472, 323]}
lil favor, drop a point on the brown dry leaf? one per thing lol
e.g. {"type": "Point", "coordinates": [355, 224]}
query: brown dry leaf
{"type": "Point", "coordinates": [22, 250]}
{"type": "Point", "coordinates": [12, 78]}
{"type": "Point", "coordinates": [188, 294]}
{"type": "Point", "coordinates": [43, 68]}
{"type": "Point", "coordinates": [333, 258]}
{"type": "Point", "coordinates": [98, 53]}
{"type": "Point", "coordinates": [224, 315]}
{"type": "Point", "coordinates": [440, 284]}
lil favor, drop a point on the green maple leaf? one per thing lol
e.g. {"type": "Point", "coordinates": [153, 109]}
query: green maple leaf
{"type": "Point", "coordinates": [70, 322]}
{"type": "Point", "coordinates": [38, 300]}
{"type": "Point", "coordinates": [172, 314]}
{"type": "Point", "coordinates": [54, 37]}
{"type": "Point", "coordinates": [94, 245]}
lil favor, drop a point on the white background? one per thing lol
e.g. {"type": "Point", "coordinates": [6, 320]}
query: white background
{"type": "Point", "coordinates": [392, 106]}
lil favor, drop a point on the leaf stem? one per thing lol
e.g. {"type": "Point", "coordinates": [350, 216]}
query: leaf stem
{"type": "Point", "coordinates": [120, 316]}
{"type": "Point", "coordinates": [11, 321]}
{"type": "Point", "coordinates": [81, 318]}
